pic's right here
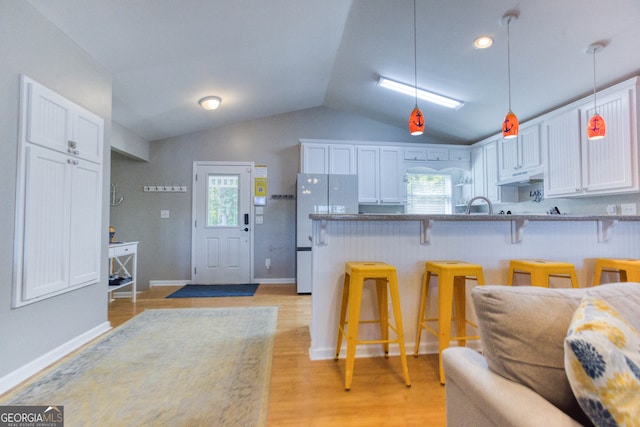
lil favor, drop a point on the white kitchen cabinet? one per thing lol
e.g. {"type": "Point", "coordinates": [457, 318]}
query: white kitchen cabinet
{"type": "Point", "coordinates": [484, 171]}
{"type": "Point", "coordinates": [379, 175]}
{"type": "Point", "coordinates": [437, 154]}
{"type": "Point", "coordinates": [415, 154]}
{"type": "Point", "coordinates": [314, 158]}
{"type": "Point", "coordinates": [57, 123]}
{"type": "Point", "coordinates": [492, 191]}
{"type": "Point", "coordinates": [342, 159]}
{"type": "Point", "coordinates": [460, 154]}
{"type": "Point", "coordinates": [59, 207]}
{"type": "Point", "coordinates": [561, 139]}
{"type": "Point", "coordinates": [576, 166]}
{"type": "Point", "coordinates": [328, 158]}
{"type": "Point", "coordinates": [519, 158]}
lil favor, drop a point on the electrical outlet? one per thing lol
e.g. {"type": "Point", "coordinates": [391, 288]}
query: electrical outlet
{"type": "Point", "coordinates": [267, 263]}
{"type": "Point", "coordinates": [259, 219]}
{"type": "Point", "coordinates": [164, 214]}
{"type": "Point", "coordinates": [628, 209]}
{"type": "Point", "coordinates": [611, 209]}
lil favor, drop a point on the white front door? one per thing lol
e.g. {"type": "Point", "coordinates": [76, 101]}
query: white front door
{"type": "Point", "coordinates": [221, 242]}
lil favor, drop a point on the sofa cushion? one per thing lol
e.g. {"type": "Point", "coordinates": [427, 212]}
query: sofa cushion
{"type": "Point", "coordinates": [522, 331]}
{"type": "Point", "coordinates": [602, 360]}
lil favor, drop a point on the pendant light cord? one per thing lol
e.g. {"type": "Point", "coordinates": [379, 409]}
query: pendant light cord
{"type": "Point", "coordinates": [509, 60]}
{"type": "Point", "coordinates": [594, 82]}
{"type": "Point", "coordinates": [415, 53]}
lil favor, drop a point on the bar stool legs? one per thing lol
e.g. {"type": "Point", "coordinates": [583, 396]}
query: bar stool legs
{"type": "Point", "coordinates": [452, 277]}
{"type": "Point", "coordinates": [385, 277]}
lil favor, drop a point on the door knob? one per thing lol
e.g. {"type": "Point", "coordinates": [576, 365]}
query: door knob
{"type": "Point", "coordinates": [246, 229]}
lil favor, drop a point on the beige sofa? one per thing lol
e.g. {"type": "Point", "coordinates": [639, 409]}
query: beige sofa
{"type": "Point", "coordinates": [520, 379]}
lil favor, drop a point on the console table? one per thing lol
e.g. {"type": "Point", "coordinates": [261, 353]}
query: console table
{"type": "Point", "coordinates": [123, 260]}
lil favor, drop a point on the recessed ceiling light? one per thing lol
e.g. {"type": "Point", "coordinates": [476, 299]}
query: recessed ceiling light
{"type": "Point", "coordinates": [210, 102]}
{"type": "Point", "coordinates": [421, 93]}
{"type": "Point", "coordinates": [483, 42]}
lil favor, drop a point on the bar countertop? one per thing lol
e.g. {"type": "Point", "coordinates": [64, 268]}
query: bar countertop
{"type": "Point", "coordinates": [472, 217]}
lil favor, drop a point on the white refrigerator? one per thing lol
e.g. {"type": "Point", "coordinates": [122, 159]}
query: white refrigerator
{"type": "Point", "coordinates": [319, 194]}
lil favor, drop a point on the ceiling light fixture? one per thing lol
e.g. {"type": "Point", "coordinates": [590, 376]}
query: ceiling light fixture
{"type": "Point", "coordinates": [596, 127]}
{"type": "Point", "coordinates": [425, 95]}
{"type": "Point", "coordinates": [510, 123]}
{"type": "Point", "coordinates": [416, 119]}
{"type": "Point", "coordinates": [210, 102]}
{"type": "Point", "coordinates": [483, 42]}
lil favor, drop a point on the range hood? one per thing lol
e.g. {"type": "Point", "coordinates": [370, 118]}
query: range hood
{"type": "Point", "coordinates": [522, 178]}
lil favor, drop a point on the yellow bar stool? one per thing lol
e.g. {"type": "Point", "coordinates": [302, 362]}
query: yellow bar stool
{"type": "Point", "coordinates": [628, 268]}
{"type": "Point", "coordinates": [540, 270]}
{"type": "Point", "coordinates": [356, 273]}
{"type": "Point", "coordinates": [452, 277]}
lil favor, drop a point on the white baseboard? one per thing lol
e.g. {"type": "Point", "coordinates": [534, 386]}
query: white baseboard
{"type": "Point", "coordinates": [153, 283]}
{"type": "Point", "coordinates": [186, 282]}
{"type": "Point", "coordinates": [274, 281]}
{"type": "Point", "coordinates": [16, 377]}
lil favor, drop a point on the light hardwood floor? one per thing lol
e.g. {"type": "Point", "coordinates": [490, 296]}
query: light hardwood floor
{"type": "Point", "coordinates": [311, 393]}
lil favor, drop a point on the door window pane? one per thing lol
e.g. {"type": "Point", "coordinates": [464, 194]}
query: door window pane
{"type": "Point", "coordinates": [223, 194]}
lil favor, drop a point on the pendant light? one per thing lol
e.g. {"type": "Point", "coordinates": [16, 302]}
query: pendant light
{"type": "Point", "coordinates": [510, 123]}
{"type": "Point", "coordinates": [416, 119]}
{"type": "Point", "coordinates": [596, 127]}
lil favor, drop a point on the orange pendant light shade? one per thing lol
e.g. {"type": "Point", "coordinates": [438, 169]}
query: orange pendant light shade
{"type": "Point", "coordinates": [510, 126]}
{"type": "Point", "coordinates": [596, 127]}
{"type": "Point", "coordinates": [416, 122]}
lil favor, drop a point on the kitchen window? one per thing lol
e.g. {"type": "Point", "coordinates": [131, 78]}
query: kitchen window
{"type": "Point", "coordinates": [428, 193]}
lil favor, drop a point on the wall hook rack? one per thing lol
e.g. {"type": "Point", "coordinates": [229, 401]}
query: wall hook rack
{"type": "Point", "coordinates": [165, 189]}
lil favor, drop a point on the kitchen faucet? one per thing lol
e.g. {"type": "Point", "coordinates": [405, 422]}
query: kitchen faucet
{"type": "Point", "coordinates": [468, 211]}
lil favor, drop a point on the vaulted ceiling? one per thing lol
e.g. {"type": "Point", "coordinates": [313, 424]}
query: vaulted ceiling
{"type": "Point", "coordinates": [270, 57]}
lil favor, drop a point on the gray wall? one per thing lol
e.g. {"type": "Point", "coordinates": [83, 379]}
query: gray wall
{"type": "Point", "coordinates": [31, 45]}
{"type": "Point", "coordinates": [165, 244]}
{"type": "Point", "coordinates": [128, 143]}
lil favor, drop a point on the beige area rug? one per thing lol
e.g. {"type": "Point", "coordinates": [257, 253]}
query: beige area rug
{"type": "Point", "coordinates": [177, 367]}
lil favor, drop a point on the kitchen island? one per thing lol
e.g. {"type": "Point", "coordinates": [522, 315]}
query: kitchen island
{"type": "Point", "coordinates": [407, 241]}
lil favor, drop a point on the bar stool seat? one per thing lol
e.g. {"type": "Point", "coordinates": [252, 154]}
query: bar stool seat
{"type": "Point", "coordinates": [540, 270]}
{"type": "Point", "coordinates": [628, 268]}
{"type": "Point", "coordinates": [452, 277]}
{"type": "Point", "coordinates": [356, 273]}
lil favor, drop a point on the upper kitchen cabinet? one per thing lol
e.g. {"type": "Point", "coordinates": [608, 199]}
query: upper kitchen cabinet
{"type": "Point", "coordinates": [484, 172]}
{"type": "Point", "coordinates": [576, 166]}
{"type": "Point", "coordinates": [327, 158]}
{"type": "Point", "coordinates": [519, 158]}
{"type": "Point", "coordinates": [379, 174]}
{"type": "Point", "coordinates": [57, 123]}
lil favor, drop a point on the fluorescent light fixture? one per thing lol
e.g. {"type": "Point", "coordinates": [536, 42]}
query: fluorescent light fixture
{"type": "Point", "coordinates": [422, 94]}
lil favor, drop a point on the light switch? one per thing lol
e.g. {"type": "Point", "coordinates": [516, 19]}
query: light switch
{"type": "Point", "coordinates": [164, 214]}
{"type": "Point", "coordinates": [259, 219]}
{"type": "Point", "coordinates": [259, 210]}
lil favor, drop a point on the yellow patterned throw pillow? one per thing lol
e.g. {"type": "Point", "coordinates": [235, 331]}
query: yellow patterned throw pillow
{"type": "Point", "coordinates": [602, 361]}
